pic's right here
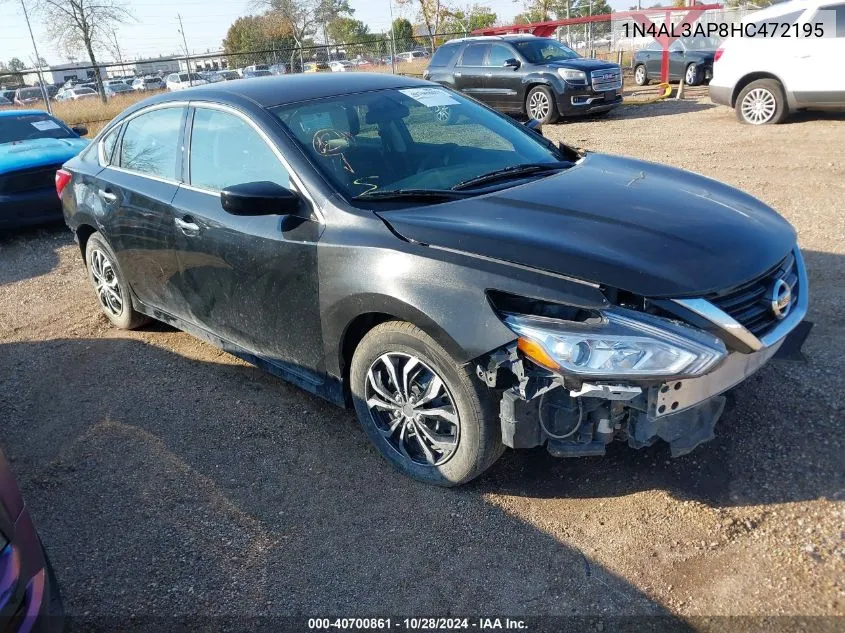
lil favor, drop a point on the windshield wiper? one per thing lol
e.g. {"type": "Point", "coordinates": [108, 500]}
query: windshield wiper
{"type": "Point", "coordinates": [514, 171]}
{"type": "Point", "coordinates": [411, 194]}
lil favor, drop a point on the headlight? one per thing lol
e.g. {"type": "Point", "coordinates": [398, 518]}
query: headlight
{"type": "Point", "coordinates": [570, 74]}
{"type": "Point", "coordinates": [621, 344]}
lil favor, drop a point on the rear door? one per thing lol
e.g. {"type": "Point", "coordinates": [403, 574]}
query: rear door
{"type": "Point", "coordinates": [470, 72]}
{"type": "Point", "coordinates": [250, 280]}
{"type": "Point", "coordinates": [503, 83]}
{"type": "Point", "coordinates": [136, 188]}
{"type": "Point", "coordinates": [818, 78]}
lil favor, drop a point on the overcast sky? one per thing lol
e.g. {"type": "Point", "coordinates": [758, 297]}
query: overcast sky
{"type": "Point", "coordinates": [155, 28]}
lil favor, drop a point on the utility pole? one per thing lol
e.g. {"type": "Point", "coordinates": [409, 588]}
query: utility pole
{"type": "Point", "coordinates": [44, 94]}
{"type": "Point", "coordinates": [113, 37]}
{"type": "Point", "coordinates": [187, 53]}
{"type": "Point", "coordinates": [392, 38]}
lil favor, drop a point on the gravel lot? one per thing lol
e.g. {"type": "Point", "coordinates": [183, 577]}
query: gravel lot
{"type": "Point", "coordinates": [167, 477]}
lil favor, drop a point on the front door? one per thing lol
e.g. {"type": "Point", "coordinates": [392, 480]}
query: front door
{"type": "Point", "coordinates": [251, 280]}
{"type": "Point", "coordinates": [136, 189]}
{"type": "Point", "coordinates": [817, 77]}
{"type": "Point", "coordinates": [503, 82]}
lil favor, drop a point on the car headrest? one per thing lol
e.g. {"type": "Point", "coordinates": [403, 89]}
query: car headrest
{"type": "Point", "coordinates": [384, 110]}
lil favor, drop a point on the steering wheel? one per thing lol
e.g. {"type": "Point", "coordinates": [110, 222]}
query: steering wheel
{"type": "Point", "coordinates": [331, 142]}
{"type": "Point", "coordinates": [441, 158]}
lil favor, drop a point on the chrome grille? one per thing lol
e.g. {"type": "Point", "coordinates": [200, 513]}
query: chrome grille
{"type": "Point", "coordinates": [606, 79]}
{"type": "Point", "coordinates": [751, 304]}
{"type": "Point", "coordinates": [29, 179]}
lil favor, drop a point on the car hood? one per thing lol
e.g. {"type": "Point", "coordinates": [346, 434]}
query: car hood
{"type": "Point", "coordinates": [581, 63]}
{"type": "Point", "coordinates": [38, 151]}
{"type": "Point", "coordinates": [653, 230]}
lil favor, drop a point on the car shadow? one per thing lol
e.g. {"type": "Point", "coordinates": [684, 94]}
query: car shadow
{"type": "Point", "coordinates": [167, 485]}
{"type": "Point", "coordinates": [665, 107]}
{"type": "Point", "coordinates": [803, 116]}
{"type": "Point", "coordinates": [15, 244]}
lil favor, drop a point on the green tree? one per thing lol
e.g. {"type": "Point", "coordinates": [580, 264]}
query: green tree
{"type": "Point", "coordinates": [15, 65]}
{"type": "Point", "coordinates": [402, 29]}
{"type": "Point", "coordinates": [344, 30]}
{"type": "Point", "coordinates": [253, 33]}
{"type": "Point", "coordinates": [474, 17]}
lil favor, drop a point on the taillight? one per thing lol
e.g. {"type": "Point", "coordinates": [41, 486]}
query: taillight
{"type": "Point", "coordinates": [62, 179]}
{"type": "Point", "coordinates": [718, 54]}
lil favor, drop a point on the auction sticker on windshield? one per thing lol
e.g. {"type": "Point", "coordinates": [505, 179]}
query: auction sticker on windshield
{"type": "Point", "coordinates": [43, 126]}
{"type": "Point", "coordinates": [430, 97]}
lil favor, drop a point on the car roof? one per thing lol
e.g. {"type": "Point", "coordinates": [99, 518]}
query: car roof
{"type": "Point", "coordinates": [508, 37]}
{"type": "Point", "coordinates": [19, 112]}
{"type": "Point", "coordinates": [266, 91]}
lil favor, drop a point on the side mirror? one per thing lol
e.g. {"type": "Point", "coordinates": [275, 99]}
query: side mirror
{"type": "Point", "coordinates": [260, 198]}
{"type": "Point", "coordinates": [534, 125]}
{"type": "Point", "coordinates": [512, 63]}
{"type": "Point", "coordinates": [81, 130]}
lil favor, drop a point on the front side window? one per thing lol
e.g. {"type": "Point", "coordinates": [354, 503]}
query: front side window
{"type": "Point", "coordinates": [151, 143]}
{"type": "Point", "coordinates": [499, 54]}
{"type": "Point", "coordinates": [25, 126]}
{"type": "Point", "coordinates": [474, 55]}
{"type": "Point", "coordinates": [412, 138]}
{"type": "Point", "coordinates": [226, 150]}
{"type": "Point", "coordinates": [542, 50]}
{"type": "Point", "coordinates": [839, 13]}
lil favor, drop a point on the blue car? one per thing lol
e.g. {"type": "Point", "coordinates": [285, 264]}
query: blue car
{"type": "Point", "coordinates": [33, 145]}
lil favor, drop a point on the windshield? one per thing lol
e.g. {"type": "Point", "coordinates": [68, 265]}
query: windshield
{"type": "Point", "coordinates": [29, 93]}
{"type": "Point", "coordinates": [543, 50]}
{"type": "Point", "coordinates": [29, 126]}
{"type": "Point", "coordinates": [413, 138]}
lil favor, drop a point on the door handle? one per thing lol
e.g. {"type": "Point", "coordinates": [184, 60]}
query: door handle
{"type": "Point", "coordinates": [107, 195]}
{"type": "Point", "coordinates": [186, 226]}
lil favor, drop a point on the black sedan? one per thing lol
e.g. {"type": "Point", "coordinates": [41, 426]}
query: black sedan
{"type": "Point", "coordinates": [464, 285]}
{"type": "Point", "coordinates": [689, 58]}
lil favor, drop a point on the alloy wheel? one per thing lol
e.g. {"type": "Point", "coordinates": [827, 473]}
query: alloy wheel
{"type": "Point", "coordinates": [538, 105]}
{"type": "Point", "coordinates": [758, 106]}
{"type": "Point", "coordinates": [691, 75]}
{"type": "Point", "coordinates": [639, 75]}
{"type": "Point", "coordinates": [105, 283]}
{"type": "Point", "coordinates": [412, 409]}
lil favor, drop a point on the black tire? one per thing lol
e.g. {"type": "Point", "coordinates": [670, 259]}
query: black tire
{"type": "Point", "coordinates": [693, 75]}
{"type": "Point", "coordinates": [551, 114]}
{"type": "Point", "coordinates": [773, 91]}
{"type": "Point", "coordinates": [640, 75]}
{"type": "Point", "coordinates": [478, 432]}
{"type": "Point", "coordinates": [124, 315]}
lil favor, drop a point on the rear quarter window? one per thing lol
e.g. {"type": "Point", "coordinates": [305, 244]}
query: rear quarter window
{"type": "Point", "coordinates": [443, 56]}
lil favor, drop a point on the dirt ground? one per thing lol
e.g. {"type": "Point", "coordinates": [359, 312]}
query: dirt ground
{"type": "Point", "coordinates": [167, 477]}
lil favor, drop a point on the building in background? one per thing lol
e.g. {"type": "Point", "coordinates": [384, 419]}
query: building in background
{"type": "Point", "coordinates": [60, 73]}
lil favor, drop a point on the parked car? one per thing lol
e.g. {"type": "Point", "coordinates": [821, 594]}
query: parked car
{"type": "Point", "coordinates": [115, 89]}
{"type": "Point", "coordinates": [278, 69]}
{"type": "Point", "coordinates": [765, 81]}
{"type": "Point", "coordinates": [180, 81]}
{"type": "Point", "coordinates": [74, 94]}
{"type": "Point", "coordinates": [29, 593]}
{"type": "Point", "coordinates": [33, 145]}
{"type": "Point", "coordinates": [228, 75]}
{"type": "Point", "coordinates": [113, 82]}
{"type": "Point", "coordinates": [8, 94]}
{"type": "Point", "coordinates": [256, 73]}
{"type": "Point", "coordinates": [341, 66]}
{"type": "Point", "coordinates": [28, 96]}
{"type": "Point", "coordinates": [255, 68]}
{"type": "Point", "coordinates": [316, 67]}
{"type": "Point", "coordinates": [148, 83]}
{"type": "Point", "coordinates": [4, 101]}
{"type": "Point", "coordinates": [410, 56]}
{"type": "Point", "coordinates": [690, 58]}
{"type": "Point", "coordinates": [462, 285]}
{"type": "Point", "coordinates": [536, 76]}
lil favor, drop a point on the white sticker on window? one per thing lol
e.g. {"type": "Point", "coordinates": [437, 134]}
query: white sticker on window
{"type": "Point", "coordinates": [43, 126]}
{"type": "Point", "coordinates": [430, 97]}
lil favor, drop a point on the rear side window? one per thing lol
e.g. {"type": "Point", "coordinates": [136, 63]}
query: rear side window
{"type": "Point", "coordinates": [443, 56]}
{"type": "Point", "coordinates": [226, 150]}
{"type": "Point", "coordinates": [151, 143]}
{"type": "Point", "coordinates": [474, 55]}
{"type": "Point", "coordinates": [108, 144]}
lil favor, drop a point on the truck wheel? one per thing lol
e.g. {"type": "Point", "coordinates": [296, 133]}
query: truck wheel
{"type": "Point", "coordinates": [692, 76]}
{"type": "Point", "coordinates": [110, 286]}
{"type": "Point", "coordinates": [762, 102]}
{"type": "Point", "coordinates": [429, 416]}
{"type": "Point", "coordinates": [540, 104]}
{"type": "Point", "coordinates": [640, 76]}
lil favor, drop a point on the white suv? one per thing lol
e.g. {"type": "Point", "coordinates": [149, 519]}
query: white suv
{"type": "Point", "coordinates": [766, 78]}
{"type": "Point", "coordinates": [180, 81]}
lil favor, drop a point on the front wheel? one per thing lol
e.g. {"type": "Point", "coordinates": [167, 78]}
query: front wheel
{"type": "Point", "coordinates": [693, 75]}
{"type": "Point", "coordinates": [762, 102]}
{"type": "Point", "coordinates": [540, 104]}
{"type": "Point", "coordinates": [427, 415]}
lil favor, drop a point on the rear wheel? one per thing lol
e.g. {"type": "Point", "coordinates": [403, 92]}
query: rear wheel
{"type": "Point", "coordinates": [540, 104]}
{"type": "Point", "coordinates": [110, 286]}
{"type": "Point", "coordinates": [692, 76]}
{"type": "Point", "coordinates": [640, 76]}
{"type": "Point", "coordinates": [762, 102]}
{"type": "Point", "coordinates": [426, 414]}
